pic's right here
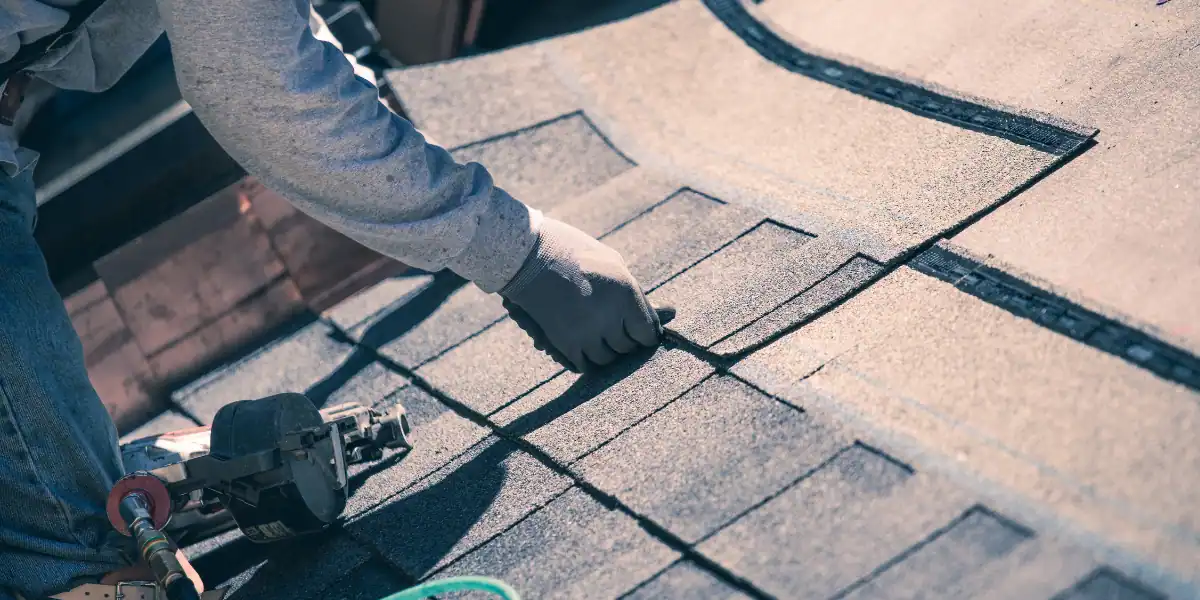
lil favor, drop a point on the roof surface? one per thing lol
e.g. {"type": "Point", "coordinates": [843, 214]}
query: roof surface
{"type": "Point", "coordinates": [936, 336]}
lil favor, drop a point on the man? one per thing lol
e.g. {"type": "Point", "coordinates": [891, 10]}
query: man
{"type": "Point", "coordinates": [291, 110]}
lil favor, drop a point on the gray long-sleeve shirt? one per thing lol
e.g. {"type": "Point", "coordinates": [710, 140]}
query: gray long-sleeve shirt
{"type": "Point", "coordinates": [290, 109]}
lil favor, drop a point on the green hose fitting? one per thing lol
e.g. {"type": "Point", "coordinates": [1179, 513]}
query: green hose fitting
{"type": "Point", "coordinates": [457, 584]}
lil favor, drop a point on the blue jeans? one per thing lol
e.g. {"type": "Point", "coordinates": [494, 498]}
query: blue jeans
{"type": "Point", "coordinates": [59, 453]}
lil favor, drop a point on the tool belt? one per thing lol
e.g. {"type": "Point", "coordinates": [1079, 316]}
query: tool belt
{"type": "Point", "coordinates": [13, 73]}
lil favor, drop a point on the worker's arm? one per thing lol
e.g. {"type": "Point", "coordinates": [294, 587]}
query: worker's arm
{"type": "Point", "coordinates": [291, 111]}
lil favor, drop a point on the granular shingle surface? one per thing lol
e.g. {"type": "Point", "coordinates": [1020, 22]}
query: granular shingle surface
{"type": "Point", "coordinates": [524, 91]}
{"type": "Point", "coordinates": [572, 414]}
{"type": "Point", "coordinates": [1108, 585]}
{"type": "Point", "coordinates": [492, 369]}
{"type": "Point", "coordinates": [746, 280]}
{"type": "Point", "coordinates": [949, 557]}
{"type": "Point", "coordinates": [678, 233]}
{"type": "Point", "coordinates": [427, 320]}
{"type": "Point", "coordinates": [301, 571]}
{"type": "Point", "coordinates": [686, 580]}
{"type": "Point", "coordinates": [311, 361]}
{"type": "Point", "coordinates": [834, 287]}
{"type": "Point", "coordinates": [717, 451]}
{"type": "Point", "coordinates": [462, 505]}
{"type": "Point", "coordinates": [549, 163]}
{"type": "Point", "coordinates": [616, 202]}
{"type": "Point", "coordinates": [572, 548]}
{"type": "Point", "coordinates": [438, 435]}
{"type": "Point", "coordinates": [837, 526]}
{"type": "Point", "coordinates": [829, 417]}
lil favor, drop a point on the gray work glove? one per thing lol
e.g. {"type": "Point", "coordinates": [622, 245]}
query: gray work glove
{"type": "Point", "coordinates": [577, 300]}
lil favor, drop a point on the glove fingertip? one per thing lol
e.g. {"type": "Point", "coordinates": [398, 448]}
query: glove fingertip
{"type": "Point", "coordinates": [664, 314]}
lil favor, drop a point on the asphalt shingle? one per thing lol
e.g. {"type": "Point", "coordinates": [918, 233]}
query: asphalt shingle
{"type": "Point", "coordinates": [548, 163]}
{"type": "Point", "coordinates": [1107, 584]}
{"type": "Point", "coordinates": [1039, 567]}
{"type": "Point", "coordinates": [677, 233]}
{"type": "Point", "coordinates": [295, 569]}
{"type": "Point", "coordinates": [491, 369]}
{"type": "Point", "coordinates": [1022, 405]}
{"type": "Point", "coordinates": [477, 496]}
{"type": "Point", "coordinates": [1086, 229]}
{"type": "Point", "coordinates": [521, 89]}
{"type": "Point", "coordinates": [572, 415]}
{"type": "Point", "coordinates": [572, 548]}
{"type": "Point", "coordinates": [841, 283]}
{"type": "Point", "coordinates": [311, 361]}
{"type": "Point", "coordinates": [426, 318]}
{"type": "Point", "coordinates": [836, 527]}
{"type": "Point", "coordinates": [686, 580]}
{"type": "Point", "coordinates": [301, 570]}
{"type": "Point", "coordinates": [615, 202]}
{"type": "Point", "coordinates": [438, 435]}
{"type": "Point", "coordinates": [943, 561]}
{"type": "Point", "coordinates": [369, 303]}
{"type": "Point", "coordinates": [676, 86]}
{"type": "Point", "coordinates": [746, 280]}
{"type": "Point", "coordinates": [372, 580]}
{"type": "Point", "coordinates": [707, 457]}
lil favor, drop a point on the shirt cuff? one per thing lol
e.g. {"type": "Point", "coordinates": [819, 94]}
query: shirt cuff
{"type": "Point", "coordinates": [502, 242]}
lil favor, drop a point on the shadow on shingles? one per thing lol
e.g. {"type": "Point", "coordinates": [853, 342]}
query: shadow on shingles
{"type": "Point", "coordinates": [229, 561]}
{"type": "Point", "coordinates": [396, 323]}
{"type": "Point", "coordinates": [310, 567]}
{"type": "Point", "coordinates": [418, 531]}
{"type": "Point", "coordinates": [426, 526]}
{"type": "Point", "coordinates": [583, 389]}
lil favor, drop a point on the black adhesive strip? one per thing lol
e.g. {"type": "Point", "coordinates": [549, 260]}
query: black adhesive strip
{"type": "Point", "coordinates": [1061, 315]}
{"type": "Point", "coordinates": [913, 98]}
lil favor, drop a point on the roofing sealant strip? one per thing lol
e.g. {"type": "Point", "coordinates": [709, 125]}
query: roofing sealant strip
{"type": "Point", "coordinates": [1022, 129]}
{"type": "Point", "coordinates": [1061, 315]}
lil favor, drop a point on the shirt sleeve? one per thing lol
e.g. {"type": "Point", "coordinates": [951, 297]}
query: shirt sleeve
{"type": "Point", "coordinates": [290, 109]}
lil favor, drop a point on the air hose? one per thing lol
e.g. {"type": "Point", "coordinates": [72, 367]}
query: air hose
{"type": "Point", "coordinates": [457, 584]}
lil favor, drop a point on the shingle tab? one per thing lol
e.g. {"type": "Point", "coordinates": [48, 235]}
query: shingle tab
{"type": "Point", "coordinates": [372, 580]}
{"type": "Point", "coordinates": [835, 527]}
{"type": "Point", "coordinates": [677, 233]}
{"type": "Point", "coordinates": [438, 434]}
{"type": "Point", "coordinates": [311, 361]}
{"type": "Point", "coordinates": [367, 304]}
{"type": "Point", "coordinates": [572, 548]}
{"type": "Point", "coordinates": [838, 285]}
{"type": "Point", "coordinates": [1107, 584]}
{"type": "Point", "coordinates": [492, 369]}
{"type": "Point", "coordinates": [549, 163]}
{"type": "Point", "coordinates": [746, 280]}
{"type": "Point", "coordinates": [677, 86]}
{"type": "Point", "coordinates": [461, 506]}
{"type": "Point", "coordinates": [954, 554]}
{"type": "Point", "coordinates": [572, 415]}
{"type": "Point", "coordinates": [302, 571]}
{"type": "Point", "coordinates": [615, 202]}
{"type": "Point", "coordinates": [521, 89]}
{"type": "Point", "coordinates": [686, 580]}
{"type": "Point", "coordinates": [428, 318]}
{"type": "Point", "coordinates": [1039, 567]}
{"type": "Point", "coordinates": [713, 453]}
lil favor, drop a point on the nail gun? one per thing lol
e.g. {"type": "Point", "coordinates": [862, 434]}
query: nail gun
{"type": "Point", "coordinates": [276, 468]}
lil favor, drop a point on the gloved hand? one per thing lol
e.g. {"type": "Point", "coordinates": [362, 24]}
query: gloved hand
{"type": "Point", "coordinates": [577, 300]}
